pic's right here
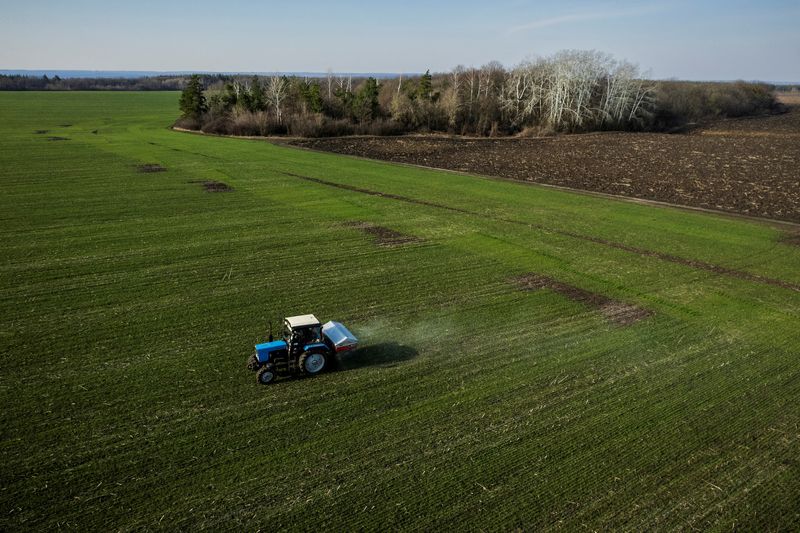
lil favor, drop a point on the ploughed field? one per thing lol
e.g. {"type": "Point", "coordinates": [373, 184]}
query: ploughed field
{"type": "Point", "coordinates": [533, 358]}
{"type": "Point", "coordinates": [749, 166]}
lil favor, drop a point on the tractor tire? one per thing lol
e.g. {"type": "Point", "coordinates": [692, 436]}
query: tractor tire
{"type": "Point", "coordinates": [252, 363]}
{"type": "Point", "coordinates": [266, 375]}
{"type": "Point", "coordinates": [313, 363]}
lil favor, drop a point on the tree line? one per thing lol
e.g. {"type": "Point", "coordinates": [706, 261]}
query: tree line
{"type": "Point", "coordinates": [18, 82]}
{"type": "Point", "coordinates": [571, 91]}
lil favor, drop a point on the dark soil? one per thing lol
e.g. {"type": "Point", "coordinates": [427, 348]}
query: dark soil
{"type": "Point", "coordinates": [383, 236]}
{"type": "Point", "coordinates": [65, 125]}
{"type": "Point", "coordinates": [214, 186]}
{"type": "Point", "coordinates": [693, 263]}
{"type": "Point", "coordinates": [620, 313]}
{"type": "Point", "coordinates": [147, 168]}
{"type": "Point", "coordinates": [55, 138]}
{"type": "Point", "coordinates": [41, 132]}
{"type": "Point", "coordinates": [747, 166]}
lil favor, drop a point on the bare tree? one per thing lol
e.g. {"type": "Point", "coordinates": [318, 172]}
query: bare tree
{"type": "Point", "coordinates": [277, 90]}
{"type": "Point", "coordinates": [576, 90]}
{"type": "Point", "coordinates": [472, 81]}
{"type": "Point", "coordinates": [491, 75]}
{"type": "Point", "coordinates": [452, 99]}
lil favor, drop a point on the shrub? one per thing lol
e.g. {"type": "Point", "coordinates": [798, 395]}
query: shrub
{"type": "Point", "coordinates": [187, 123]}
{"type": "Point", "coordinates": [218, 124]}
{"type": "Point", "coordinates": [244, 123]}
{"type": "Point", "coordinates": [381, 127]}
{"type": "Point", "coordinates": [679, 103]}
{"type": "Point", "coordinates": [248, 123]}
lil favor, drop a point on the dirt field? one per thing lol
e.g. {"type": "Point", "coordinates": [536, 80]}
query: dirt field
{"type": "Point", "coordinates": [748, 166]}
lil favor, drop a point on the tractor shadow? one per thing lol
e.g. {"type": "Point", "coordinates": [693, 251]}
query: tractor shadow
{"type": "Point", "coordinates": [386, 354]}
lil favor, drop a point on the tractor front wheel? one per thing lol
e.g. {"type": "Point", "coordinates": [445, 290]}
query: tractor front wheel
{"type": "Point", "coordinates": [252, 363]}
{"type": "Point", "coordinates": [265, 375]}
{"type": "Point", "coordinates": [312, 363]}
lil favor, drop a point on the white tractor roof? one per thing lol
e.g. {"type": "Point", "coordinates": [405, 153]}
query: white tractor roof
{"type": "Point", "coordinates": [302, 321]}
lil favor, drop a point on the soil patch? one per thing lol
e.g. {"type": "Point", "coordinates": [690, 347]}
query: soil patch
{"type": "Point", "coordinates": [214, 186]}
{"type": "Point", "coordinates": [147, 168]}
{"type": "Point", "coordinates": [615, 311]}
{"type": "Point", "coordinates": [747, 166]}
{"type": "Point", "coordinates": [383, 236]}
{"type": "Point", "coordinates": [41, 132]}
{"type": "Point", "coordinates": [56, 138]}
{"type": "Point", "coordinates": [65, 125]}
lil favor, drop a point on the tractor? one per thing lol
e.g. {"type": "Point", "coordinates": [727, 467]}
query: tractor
{"type": "Point", "coordinates": [307, 348]}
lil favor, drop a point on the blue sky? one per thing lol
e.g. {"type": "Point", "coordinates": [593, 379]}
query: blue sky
{"type": "Point", "coordinates": [710, 39]}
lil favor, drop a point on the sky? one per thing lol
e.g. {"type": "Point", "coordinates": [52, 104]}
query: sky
{"type": "Point", "coordinates": [701, 39]}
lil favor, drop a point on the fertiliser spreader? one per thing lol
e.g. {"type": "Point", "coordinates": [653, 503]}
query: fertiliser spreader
{"type": "Point", "coordinates": [307, 348]}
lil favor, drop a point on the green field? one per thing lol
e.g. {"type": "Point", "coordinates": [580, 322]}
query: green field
{"type": "Point", "coordinates": [130, 302]}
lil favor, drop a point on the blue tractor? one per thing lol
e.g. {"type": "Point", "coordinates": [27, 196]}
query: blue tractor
{"type": "Point", "coordinates": [307, 348]}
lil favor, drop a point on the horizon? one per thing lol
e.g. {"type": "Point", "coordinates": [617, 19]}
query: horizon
{"type": "Point", "coordinates": [717, 40]}
{"type": "Point", "coordinates": [134, 74]}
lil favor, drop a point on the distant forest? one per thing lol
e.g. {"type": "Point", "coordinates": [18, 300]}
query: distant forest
{"type": "Point", "coordinates": [19, 82]}
{"type": "Point", "coordinates": [571, 91]}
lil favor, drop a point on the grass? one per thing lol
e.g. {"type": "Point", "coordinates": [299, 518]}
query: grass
{"type": "Point", "coordinates": [130, 302]}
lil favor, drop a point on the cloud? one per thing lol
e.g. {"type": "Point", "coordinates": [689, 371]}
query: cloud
{"type": "Point", "coordinates": [578, 17]}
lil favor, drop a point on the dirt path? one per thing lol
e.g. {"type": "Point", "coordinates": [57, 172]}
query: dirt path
{"type": "Point", "coordinates": [747, 166]}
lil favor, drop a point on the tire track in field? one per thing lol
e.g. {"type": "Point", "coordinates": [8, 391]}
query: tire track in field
{"type": "Point", "coordinates": [662, 256]}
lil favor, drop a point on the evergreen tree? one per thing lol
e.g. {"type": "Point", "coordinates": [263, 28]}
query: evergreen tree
{"type": "Point", "coordinates": [425, 87]}
{"type": "Point", "coordinates": [258, 101]}
{"type": "Point", "coordinates": [193, 102]}
{"type": "Point", "coordinates": [346, 101]}
{"type": "Point", "coordinates": [366, 106]}
{"type": "Point", "coordinates": [312, 96]}
{"type": "Point", "coordinates": [229, 98]}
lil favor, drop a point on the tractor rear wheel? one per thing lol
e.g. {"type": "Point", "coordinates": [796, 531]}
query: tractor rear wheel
{"type": "Point", "coordinates": [312, 363]}
{"type": "Point", "coordinates": [265, 375]}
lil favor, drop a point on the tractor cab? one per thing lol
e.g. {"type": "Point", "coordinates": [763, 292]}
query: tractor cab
{"type": "Point", "coordinates": [299, 331]}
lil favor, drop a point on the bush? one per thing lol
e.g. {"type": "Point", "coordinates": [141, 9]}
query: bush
{"type": "Point", "coordinates": [319, 126]}
{"type": "Point", "coordinates": [244, 123]}
{"type": "Point", "coordinates": [187, 123]}
{"type": "Point", "coordinates": [315, 126]}
{"type": "Point", "coordinates": [381, 127]}
{"type": "Point", "coordinates": [217, 124]}
{"type": "Point", "coordinates": [679, 103]}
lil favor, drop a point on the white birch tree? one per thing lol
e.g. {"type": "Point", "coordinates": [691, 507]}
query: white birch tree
{"type": "Point", "coordinates": [277, 90]}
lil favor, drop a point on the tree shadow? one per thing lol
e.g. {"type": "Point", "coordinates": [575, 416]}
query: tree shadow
{"type": "Point", "coordinates": [386, 354]}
